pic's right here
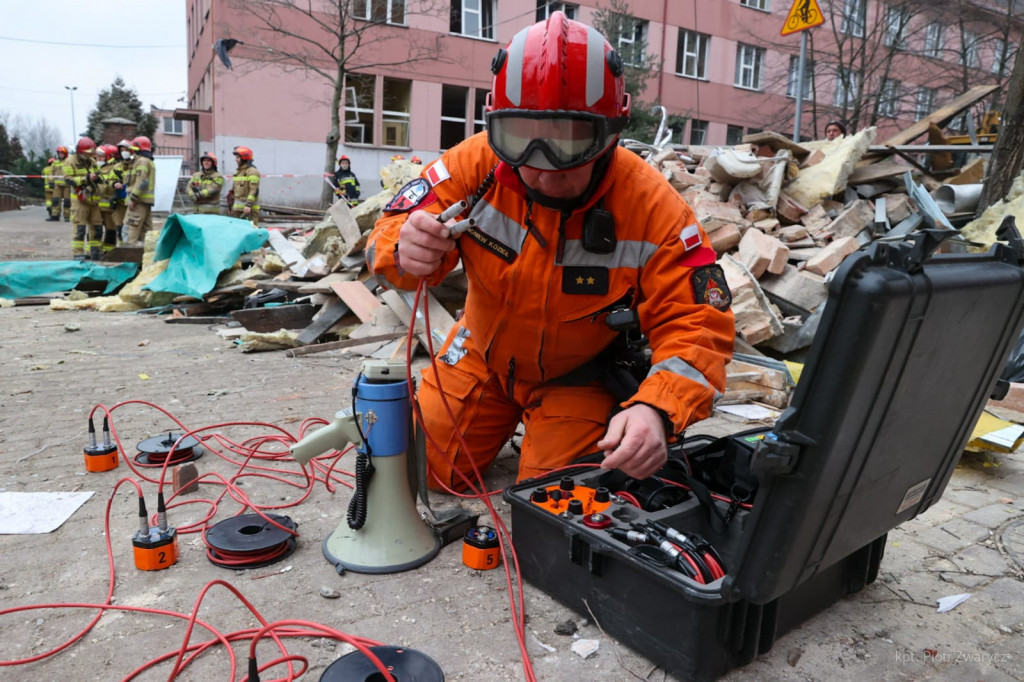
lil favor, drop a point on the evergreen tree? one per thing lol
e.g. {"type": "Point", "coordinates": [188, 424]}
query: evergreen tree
{"type": "Point", "coordinates": [10, 149]}
{"type": "Point", "coordinates": [120, 101]}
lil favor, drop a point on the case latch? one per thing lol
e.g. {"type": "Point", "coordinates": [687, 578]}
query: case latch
{"type": "Point", "coordinates": [773, 457]}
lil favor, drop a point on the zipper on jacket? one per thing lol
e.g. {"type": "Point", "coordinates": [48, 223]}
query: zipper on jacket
{"type": "Point", "coordinates": [531, 228]}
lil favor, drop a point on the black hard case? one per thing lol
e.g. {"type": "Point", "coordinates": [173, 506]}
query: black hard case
{"type": "Point", "coordinates": [908, 351]}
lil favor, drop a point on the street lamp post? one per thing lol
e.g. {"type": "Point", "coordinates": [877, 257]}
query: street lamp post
{"type": "Point", "coordinates": [71, 89]}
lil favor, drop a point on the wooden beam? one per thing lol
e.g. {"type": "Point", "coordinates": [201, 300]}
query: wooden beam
{"type": "Point", "coordinates": [324, 320]}
{"type": "Point", "coordinates": [941, 116]}
{"type": "Point", "coordinates": [345, 343]}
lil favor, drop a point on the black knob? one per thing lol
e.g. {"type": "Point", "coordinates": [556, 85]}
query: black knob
{"type": "Point", "coordinates": [566, 483]}
{"type": "Point", "coordinates": [575, 506]}
{"type": "Point", "coordinates": [539, 495]}
{"type": "Point", "coordinates": [601, 495]}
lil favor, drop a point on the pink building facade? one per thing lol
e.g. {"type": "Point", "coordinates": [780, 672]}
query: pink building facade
{"type": "Point", "coordinates": [417, 83]}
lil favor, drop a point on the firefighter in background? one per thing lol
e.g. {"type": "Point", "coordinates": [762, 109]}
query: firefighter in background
{"type": "Point", "coordinates": [82, 174]}
{"type": "Point", "coordinates": [139, 218]}
{"type": "Point", "coordinates": [346, 182]}
{"type": "Point", "coordinates": [123, 172]}
{"type": "Point", "coordinates": [245, 187]}
{"type": "Point", "coordinates": [108, 199]}
{"type": "Point", "coordinates": [61, 189]}
{"type": "Point", "coordinates": [205, 187]}
{"type": "Point", "coordinates": [48, 189]}
{"type": "Point", "coordinates": [569, 228]}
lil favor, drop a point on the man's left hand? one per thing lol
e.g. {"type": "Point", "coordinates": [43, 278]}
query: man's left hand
{"type": "Point", "coordinates": [635, 442]}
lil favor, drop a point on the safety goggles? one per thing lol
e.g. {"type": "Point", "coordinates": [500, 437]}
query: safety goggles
{"type": "Point", "coordinates": [550, 140]}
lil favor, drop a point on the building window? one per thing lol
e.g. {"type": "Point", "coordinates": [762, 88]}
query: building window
{"type": "Point", "coordinates": [889, 98]}
{"type": "Point", "coordinates": [763, 5]}
{"type": "Point", "coordinates": [925, 102]}
{"type": "Point", "coordinates": [1002, 59]}
{"type": "Point", "coordinates": [395, 122]}
{"type": "Point", "coordinates": [632, 42]}
{"type": "Point", "coordinates": [733, 135]}
{"type": "Point", "coordinates": [545, 9]}
{"type": "Point", "coordinates": [847, 89]}
{"type": "Point", "coordinates": [969, 50]}
{"type": "Point", "coordinates": [794, 68]}
{"type": "Point", "coordinates": [473, 18]}
{"type": "Point", "coordinates": [359, 103]}
{"type": "Point", "coordinates": [933, 39]}
{"type": "Point", "coordinates": [173, 127]}
{"type": "Point", "coordinates": [854, 15]}
{"type": "Point", "coordinates": [382, 11]}
{"type": "Point", "coordinates": [479, 106]}
{"type": "Point", "coordinates": [692, 54]}
{"type": "Point", "coordinates": [453, 115]}
{"type": "Point", "coordinates": [749, 61]}
{"type": "Point", "coordinates": [698, 131]}
{"type": "Point", "coordinates": [896, 20]}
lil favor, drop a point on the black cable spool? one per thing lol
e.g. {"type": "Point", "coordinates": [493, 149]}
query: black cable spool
{"type": "Point", "coordinates": [405, 665]}
{"type": "Point", "coordinates": [155, 451]}
{"type": "Point", "coordinates": [250, 541]}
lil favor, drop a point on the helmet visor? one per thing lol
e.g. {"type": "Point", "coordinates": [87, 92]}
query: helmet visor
{"type": "Point", "coordinates": [550, 140]}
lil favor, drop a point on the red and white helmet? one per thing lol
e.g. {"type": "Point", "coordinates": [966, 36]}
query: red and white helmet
{"type": "Point", "coordinates": [559, 97]}
{"type": "Point", "coordinates": [85, 145]}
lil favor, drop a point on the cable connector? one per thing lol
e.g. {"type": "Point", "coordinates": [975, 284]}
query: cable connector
{"type": "Point", "coordinates": [154, 547]}
{"type": "Point", "coordinates": [100, 456]}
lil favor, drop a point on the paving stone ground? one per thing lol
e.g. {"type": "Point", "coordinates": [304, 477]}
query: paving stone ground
{"type": "Point", "coordinates": [51, 377]}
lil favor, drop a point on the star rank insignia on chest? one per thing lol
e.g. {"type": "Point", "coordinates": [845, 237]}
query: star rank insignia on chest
{"type": "Point", "coordinates": [709, 287]}
{"type": "Point", "coordinates": [585, 280]}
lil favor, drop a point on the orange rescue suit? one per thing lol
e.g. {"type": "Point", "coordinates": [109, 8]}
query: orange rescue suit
{"type": "Point", "coordinates": [536, 308]}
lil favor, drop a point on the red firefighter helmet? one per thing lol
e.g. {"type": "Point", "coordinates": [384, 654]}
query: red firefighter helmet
{"type": "Point", "coordinates": [62, 152]}
{"type": "Point", "coordinates": [142, 143]}
{"type": "Point", "coordinates": [559, 97]}
{"type": "Point", "coordinates": [244, 153]}
{"type": "Point", "coordinates": [344, 158]}
{"type": "Point", "coordinates": [415, 159]}
{"type": "Point", "coordinates": [85, 145]}
{"type": "Point", "coordinates": [398, 157]}
{"type": "Point", "coordinates": [211, 157]}
{"type": "Point", "coordinates": [108, 151]}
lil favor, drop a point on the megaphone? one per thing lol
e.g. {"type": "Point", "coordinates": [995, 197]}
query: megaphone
{"type": "Point", "coordinates": [383, 532]}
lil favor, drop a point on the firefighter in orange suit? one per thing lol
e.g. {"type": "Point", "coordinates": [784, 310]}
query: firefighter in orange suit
{"type": "Point", "coordinates": [569, 229]}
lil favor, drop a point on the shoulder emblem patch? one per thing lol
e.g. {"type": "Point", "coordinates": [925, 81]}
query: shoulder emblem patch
{"type": "Point", "coordinates": [690, 237]}
{"type": "Point", "coordinates": [710, 288]}
{"type": "Point", "coordinates": [414, 194]}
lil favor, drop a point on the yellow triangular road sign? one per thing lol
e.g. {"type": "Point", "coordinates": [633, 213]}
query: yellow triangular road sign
{"type": "Point", "coordinates": [803, 15]}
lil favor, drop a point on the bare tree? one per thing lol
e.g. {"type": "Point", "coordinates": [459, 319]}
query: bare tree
{"type": "Point", "coordinates": [1008, 155]}
{"type": "Point", "coordinates": [335, 38]}
{"type": "Point", "coordinates": [38, 136]}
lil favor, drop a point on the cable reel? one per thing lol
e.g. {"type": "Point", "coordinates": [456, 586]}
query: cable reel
{"type": "Point", "coordinates": [250, 541]}
{"type": "Point", "coordinates": [156, 450]}
{"type": "Point", "coordinates": [406, 665]}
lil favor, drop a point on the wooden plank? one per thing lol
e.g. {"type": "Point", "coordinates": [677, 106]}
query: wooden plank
{"type": "Point", "coordinates": [876, 171]}
{"type": "Point", "coordinates": [441, 321]}
{"type": "Point", "coordinates": [345, 343]}
{"type": "Point", "coordinates": [289, 254]}
{"type": "Point", "coordinates": [393, 300]}
{"type": "Point", "coordinates": [324, 320]}
{"type": "Point", "coordinates": [359, 299]}
{"type": "Point", "coordinates": [198, 319]}
{"type": "Point", "coordinates": [275, 318]}
{"type": "Point", "coordinates": [941, 116]}
{"type": "Point", "coordinates": [323, 285]}
{"type": "Point", "coordinates": [268, 284]}
{"type": "Point", "coordinates": [124, 254]}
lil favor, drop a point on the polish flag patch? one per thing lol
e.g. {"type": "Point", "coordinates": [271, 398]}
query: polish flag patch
{"type": "Point", "coordinates": [437, 173]}
{"type": "Point", "coordinates": [690, 236]}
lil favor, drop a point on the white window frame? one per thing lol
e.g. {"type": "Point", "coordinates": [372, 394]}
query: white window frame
{"type": "Point", "coordinates": [363, 9]}
{"type": "Point", "coordinates": [794, 67]}
{"type": "Point", "coordinates": [477, 9]}
{"type": "Point", "coordinates": [698, 127]}
{"type": "Point", "coordinates": [394, 117]}
{"type": "Point", "coordinates": [847, 89]}
{"type": "Point", "coordinates": [172, 126]}
{"type": "Point", "coordinates": [925, 102]}
{"type": "Point", "coordinates": [854, 17]}
{"type": "Point", "coordinates": [694, 48]}
{"type": "Point", "coordinates": [896, 21]}
{"type": "Point", "coordinates": [763, 5]}
{"type": "Point", "coordinates": [969, 53]}
{"type": "Point", "coordinates": [545, 10]}
{"type": "Point", "coordinates": [355, 115]}
{"type": "Point", "coordinates": [633, 43]}
{"type": "Point", "coordinates": [933, 39]}
{"type": "Point", "coordinates": [1000, 53]}
{"type": "Point", "coordinates": [749, 66]}
{"type": "Point", "coordinates": [889, 98]}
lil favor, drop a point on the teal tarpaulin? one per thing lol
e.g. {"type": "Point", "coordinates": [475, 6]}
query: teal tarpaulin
{"type": "Point", "coordinates": [200, 247]}
{"type": "Point", "coordinates": [34, 278]}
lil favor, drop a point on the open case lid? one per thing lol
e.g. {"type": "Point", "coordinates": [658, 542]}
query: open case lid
{"type": "Point", "coordinates": [908, 351]}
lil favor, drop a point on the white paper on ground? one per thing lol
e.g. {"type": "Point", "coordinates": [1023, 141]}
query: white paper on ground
{"type": "Point", "coordinates": [748, 411]}
{"type": "Point", "coordinates": [950, 603]}
{"type": "Point", "coordinates": [28, 513]}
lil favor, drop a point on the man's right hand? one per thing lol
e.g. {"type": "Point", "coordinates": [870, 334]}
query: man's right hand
{"type": "Point", "coordinates": [423, 243]}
